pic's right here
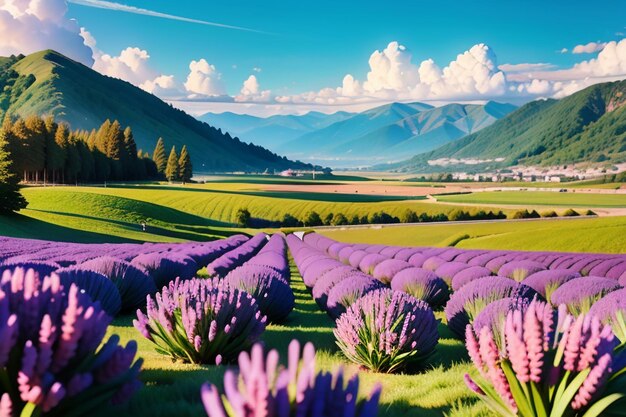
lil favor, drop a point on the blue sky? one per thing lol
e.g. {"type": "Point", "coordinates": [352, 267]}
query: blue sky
{"type": "Point", "coordinates": [330, 55]}
{"type": "Point", "coordinates": [316, 43]}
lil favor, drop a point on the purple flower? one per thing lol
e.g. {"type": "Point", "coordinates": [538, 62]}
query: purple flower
{"type": "Point", "coordinates": [199, 303]}
{"type": "Point", "coordinates": [318, 269]}
{"type": "Point", "coordinates": [469, 274]}
{"type": "Point", "coordinates": [519, 270]}
{"type": "Point", "coordinates": [97, 286]}
{"type": "Point", "coordinates": [579, 294]}
{"type": "Point", "coordinates": [356, 257]}
{"type": "Point", "coordinates": [272, 293]}
{"type": "Point", "coordinates": [346, 292]}
{"type": "Point", "coordinates": [50, 344]}
{"type": "Point", "coordinates": [329, 279]}
{"type": "Point", "coordinates": [466, 303]}
{"type": "Point", "coordinates": [423, 285]}
{"type": "Point", "coordinates": [448, 270]}
{"type": "Point", "coordinates": [546, 282]}
{"type": "Point", "coordinates": [387, 270]}
{"type": "Point", "coordinates": [133, 284]}
{"type": "Point", "coordinates": [263, 389]}
{"type": "Point", "coordinates": [387, 331]}
{"type": "Point", "coordinates": [369, 262]}
{"type": "Point", "coordinates": [236, 257]}
{"type": "Point", "coordinates": [431, 263]}
{"type": "Point", "coordinates": [611, 309]}
{"type": "Point", "coordinates": [165, 267]}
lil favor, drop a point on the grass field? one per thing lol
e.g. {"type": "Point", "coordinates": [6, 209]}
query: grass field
{"type": "Point", "coordinates": [539, 198]}
{"type": "Point", "coordinates": [173, 388]}
{"type": "Point", "coordinates": [606, 234]}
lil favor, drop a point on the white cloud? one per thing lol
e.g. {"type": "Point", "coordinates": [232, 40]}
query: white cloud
{"type": "Point", "coordinates": [526, 67]}
{"type": "Point", "coordinates": [132, 65]}
{"type": "Point", "coordinates": [251, 91]}
{"type": "Point", "coordinates": [204, 79]}
{"type": "Point", "coordinates": [28, 26]}
{"type": "Point", "coordinates": [590, 48]}
{"type": "Point", "coordinates": [257, 69]}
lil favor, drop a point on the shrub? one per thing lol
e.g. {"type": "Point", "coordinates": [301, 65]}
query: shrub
{"type": "Point", "coordinates": [369, 262]}
{"type": "Point", "coordinates": [311, 219]}
{"type": "Point", "coordinates": [468, 275]}
{"type": "Point", "coordinates": [97, 286]}
{"type": "Point", "coordinates": [611, 310]}
{"type": "Point", "coordinates": [328, 280]}
{"type": "Point", "coordinates": [347, 291]}
{"type": "Point", "coordinates": [236, 257]}
{"type": "Point", "coordinates": [549, 213]}
{"type": "Point", "coordinates": [387, 331]}
{"type": "Point", "coordinates": [571, 213]}
{"type": "Point", "coordinates": [590, 213]}
{"type": "Point", "coordinates": [52, 357]}
{"type": "Point", "coordinates": [264, 388]}
{"type": "Point", "coordinates": [409, 216]}
{"type": "Point", "coordinates": [242, 217]}
{"type": "Point", "coordinates": [552, 364]}
{"type": "Point", "coordinates": [200, 321]}
{"type": "Point", "coordinates": [546, 282]}
{"type": "Point", "coordinates": [472, 298]}
{"type": "Point", "coordinates": [387, 269]}
{"type": "Point", "coordinates": [164, 267]}
{"type": "Point", "coordinates": [328, 220]}
{"type": "Point", "coordinates": [133, 284]}
{"type": "Point", "coordinates": [579, 294]}
{"type": "Point", "coordinates": [423, 285]}
{"type": "Point", "coordinates": [271, 291]}
{"type": "Point", "coordinates": [289, 221]}
{"type": "Point", "coordinates": [339, 220]}
{"type": "Point", "coordinates": [519, 270]}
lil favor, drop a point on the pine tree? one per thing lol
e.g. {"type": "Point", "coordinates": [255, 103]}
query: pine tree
{"type": "Point", "coordinates": [10, 198]}
{"type": "Point", "coordinates": [172, 169]}
{"type": "Point", "coordinates": [184, 165]}
{"type": "Point", "coordinates": [159, 157]}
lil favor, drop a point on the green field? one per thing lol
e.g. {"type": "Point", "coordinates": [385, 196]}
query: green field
{"type": "Point", "coordinates": [539, 198]}
{"type": "Point", "coordinates": [176, 213]}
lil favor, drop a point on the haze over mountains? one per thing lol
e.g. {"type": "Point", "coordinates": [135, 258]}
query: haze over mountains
{"type": "Point", "coordinates": [48, 83]}
{"type": "Point", "coordinates": [391, 132]}
{"type": "Point", "coordinates": [586, 127]}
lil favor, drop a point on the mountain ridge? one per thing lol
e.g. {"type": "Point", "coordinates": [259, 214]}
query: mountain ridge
{"type": "Point", "coordinates": [48, 83]}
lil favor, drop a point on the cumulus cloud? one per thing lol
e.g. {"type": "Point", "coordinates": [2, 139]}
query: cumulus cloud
{"type": "Point", "coordinates": [251, 91]}
{"type": "Point", "coordinates": [132, 65]}
{"type": "Point", "coordinates": [204, 79]}
{"type": "Point", "coordinates": [526, 67]}
{"type": "Point", "coordinates": [590, 48]}
{"type": "Point", "coordinates": [28, 26]}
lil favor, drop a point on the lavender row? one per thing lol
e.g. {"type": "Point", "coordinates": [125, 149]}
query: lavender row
{"type": "Point", "coordinates": [119, 276]}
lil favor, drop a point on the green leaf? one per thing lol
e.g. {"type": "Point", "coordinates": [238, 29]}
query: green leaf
{"type": "Point", "coordinates": [600, 405]}
{"type": "Point", "coordinates": [562, 402]}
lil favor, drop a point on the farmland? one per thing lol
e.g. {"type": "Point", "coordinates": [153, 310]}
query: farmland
{"type": "Point", "coordinates": [540, 198]}
{"type": "Point", "coordinates": [205, 212]}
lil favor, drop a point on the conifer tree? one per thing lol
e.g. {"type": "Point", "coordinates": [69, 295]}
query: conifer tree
{"type": "Point", "coordinates": [10, 198]}
{"type": "Point", "coordinates": [172, 169]}
{"type": "Point", "coordinates": [159, 157]}
{"type": "Point", "coordinates": [184, 165]}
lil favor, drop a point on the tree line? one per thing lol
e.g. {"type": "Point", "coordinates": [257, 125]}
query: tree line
{"type": "Point", "coordinates": [40, 150]}
{"type": "Point", "coordinates": [244, 218]}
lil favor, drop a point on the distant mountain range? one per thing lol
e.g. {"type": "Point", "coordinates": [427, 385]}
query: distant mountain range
{"type": "Point", "coordinates": [391, 132]}
{"type": "Point", "coordinates": [586, 127]}
{"type": "Point", "coordinates": [48, 83]}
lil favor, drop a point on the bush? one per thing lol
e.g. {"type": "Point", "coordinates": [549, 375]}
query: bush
{"type": "Point", "coordinates": [289, 221]}
{"type": "Point", "coordinates": [584, 375]}
{"type": "Point", "coordinates": [590, 213]}
{"type": "Point", "coordinates": [423, 285]}
{"type": "Point", "coordinates": [52, 357]}
{"type": "Point", "coordinates": [200, 321]}
{"type": "Point", "coordinates": [271, 291]}
{"type": "Point", "coordinates": [339, 220]}
{"type": "Point", "coordinates": [242, 218]}
{"type": "Point", "coordinates": [387, 331]}
{"type": "Point", "coordinates": [579, 294]}
{"type": "Point", "coordinates": [270, 390]}
{"type": "Point", "coordinates": [571, 213]}
{"type": "Point", "coordinates": [409, 216]}
{"type": "Point", "coordinates": [97, 286]}
{"type": "Point", "coordinates": [549, 213]}
{"type": "Point", "coordinates": [611, 309]}
{"type": "Point", "coordinates": [328, 220]}
{"type": "Point", "coordinates": [355, 219]}
{"type": "Point", "coordinates": [311, 219]}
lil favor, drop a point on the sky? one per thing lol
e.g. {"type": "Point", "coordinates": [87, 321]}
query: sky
{"type": "Point", "coordinates": [268, 57]}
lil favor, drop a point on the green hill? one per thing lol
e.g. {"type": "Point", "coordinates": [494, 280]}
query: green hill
{"type": "Point", "coordinates": [48, 83]}
{"type": "Point", "coordinates": [588, 126]}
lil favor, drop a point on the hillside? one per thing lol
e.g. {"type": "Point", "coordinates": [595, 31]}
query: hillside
{"type": "Point", "coordinates": [48, 83]}
{"type": "Point", "coordinates": [586, 127]}
{"type": "Point", "coordinates": [385, 133]}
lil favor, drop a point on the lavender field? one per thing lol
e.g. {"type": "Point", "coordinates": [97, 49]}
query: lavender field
{"type": "Point", "coordinates": [118, 328]}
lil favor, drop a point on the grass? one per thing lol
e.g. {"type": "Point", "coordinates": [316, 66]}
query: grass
{"type": "Point", "coordinates": [604, 234]}
{"type": "Point", "coordinates": [173, 388]}
{"type": "Point", "coordinates": [546, 198]}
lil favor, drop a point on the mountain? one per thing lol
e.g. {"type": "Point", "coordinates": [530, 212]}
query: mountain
{"type": "Point", "coordinates": [48, 83]}
{"type": "Point", "coordinates": [586, 127]}
{"type": "Point", "coordinates": [272, 132]}
{"type": "Point", "coordinates": [389, 132]}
